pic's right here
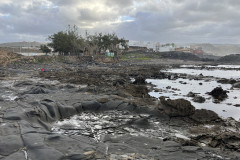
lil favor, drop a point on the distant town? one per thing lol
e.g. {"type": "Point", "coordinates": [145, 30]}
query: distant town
{"type": "Point", "coordinates": [33, 48]}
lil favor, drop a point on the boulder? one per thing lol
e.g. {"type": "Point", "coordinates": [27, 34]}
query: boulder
{"type": "Point", "coordinates": [177, 108]}
{"type": "Point", "coordinates": [236, 85]}
{"type": "Point", "coordinates": [191, 94]}
{"type": "Point", "coordinates": [203, 115]}
{"type": "Point", "coordinates": [66, 111]}
{"type": "Point", "coordinates": [199, 99]}
{"type": "Point", "coordinates": [218, 93]}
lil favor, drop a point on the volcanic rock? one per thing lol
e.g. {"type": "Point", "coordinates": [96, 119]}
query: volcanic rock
{"type": "Point", "coordinates": [203, 115]}
{"type": "Point", "coordinates": [177, 108]}
{"type": "Point", "coordinates": [191, 94]}
{"type": "Point", "coordinates": [219, 93]}
{"type": "Point", "coordinates": [139, 80]}
{"type": "Point", "coordinates": [199, 99]}
{"type": "Point", "coordinates": [36, 90]}
{"type": "Point", "coordinates": [236, 85]}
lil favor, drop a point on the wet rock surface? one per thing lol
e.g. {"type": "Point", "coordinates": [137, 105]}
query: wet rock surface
{"type": "Point", "coordinates": [98, 113]}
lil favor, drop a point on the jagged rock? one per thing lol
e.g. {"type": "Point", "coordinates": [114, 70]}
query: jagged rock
{"type": "Point", "coordinates": [227, 140]}
{"type": "Point", "coordinates": [199, 99]}
{"type": "Point", "coordinates": [66, 111]}
{"type": "Point", "coordinates": [218, 93]}
{"type": "Point", "coordinates": [191, 94]}
{"type": "Point", "coordinates": [178, 107]}
{"type": "Point", "coordinates": [139, 80]}
{"type": "Point", "coordinates": [78, 107]}
{"type": "Point", "coordinates": [36, 90]}
{"type": "Point", "coordinates": [203, 115]}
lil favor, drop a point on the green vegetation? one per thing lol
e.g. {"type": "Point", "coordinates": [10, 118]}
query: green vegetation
{"type": "Point", "coordinates": [45, 49]}
{"type": "Point", "coordinates": [70, 42]}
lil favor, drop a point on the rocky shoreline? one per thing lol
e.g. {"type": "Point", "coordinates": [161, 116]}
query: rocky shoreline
{"type": "Point", "coordinates": [126, 122]}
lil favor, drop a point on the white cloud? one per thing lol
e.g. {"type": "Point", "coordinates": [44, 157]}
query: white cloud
{"type": "Point", "coordinates": [160, 20]}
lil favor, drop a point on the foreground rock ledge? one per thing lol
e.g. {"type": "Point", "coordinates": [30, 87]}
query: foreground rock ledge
{"type": "Point", "coordinates": [25, 126]}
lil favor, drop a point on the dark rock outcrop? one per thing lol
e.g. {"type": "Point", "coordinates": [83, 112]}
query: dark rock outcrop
{"type": "Point", "coordinates": [232, 58]}
{"type": "Point", "coordinates": [178, 107]}
{"type": "Point", "coordinates": [199, 99]}
{"type": "Point", "coordinates": [191, 94]}
{"type": "Point", "coordinates": [236, 85]}
{"type": "Point", "coordinates": [218, 93]}
{"type": "Point", "coordinates": [227, 81]}
{"type": "Point", "coordinates": [203, 115]}
{"type": "Point", "coordinates": [91, 106]}
{"type": "Point", "coordinates": [140, 81]}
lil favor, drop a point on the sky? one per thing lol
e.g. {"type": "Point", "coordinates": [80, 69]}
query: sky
{"type": "Point", "coordinates": [165, 21]}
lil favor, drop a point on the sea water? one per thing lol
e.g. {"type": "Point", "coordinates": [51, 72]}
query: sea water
{"type": "Point", "coordinates": [179, 88]}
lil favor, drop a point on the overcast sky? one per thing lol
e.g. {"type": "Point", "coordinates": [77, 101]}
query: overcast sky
{"type": "Point", "coordinates": [185, 21]}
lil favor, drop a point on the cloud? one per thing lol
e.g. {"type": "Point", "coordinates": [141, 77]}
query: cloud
{"type": "Point", "coordinates": [185, 21]}
{"type": "Point", "coordinates": [151, 20]}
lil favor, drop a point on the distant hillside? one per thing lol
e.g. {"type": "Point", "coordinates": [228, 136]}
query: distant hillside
{"type": "Point", "coordinates": [219, 49]}
{"type": "Point", "coordinates": [21, 44]}
{"type": "Point", "coordinates": [233, 59]}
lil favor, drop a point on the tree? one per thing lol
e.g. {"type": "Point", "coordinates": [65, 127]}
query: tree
{"type": "Point", "coordinates": [45, 49]}
{"type": "Point", "coordinates": [68, 42]}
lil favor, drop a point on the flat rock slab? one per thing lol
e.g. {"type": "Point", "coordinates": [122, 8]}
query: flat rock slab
{"type": "Point", "coordinates": [10, 144]}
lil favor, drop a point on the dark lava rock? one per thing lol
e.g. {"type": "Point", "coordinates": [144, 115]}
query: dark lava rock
{"type": "Point", "coordinates": [236, 85]}
{"type": "Point", "coordinates": [178, 107]}
{"type": "Point", "coordinates": [237, 105]}
{"type": "Point", "coordinates": [203, 115]}
{"type": "Point", "coordinates": [219, 93]}
{"type": "Point", "coordinates": [191, 94]}
{"type": "Point", "coordinates": [227, 140]}
{"type": "Point", "coordinates": [227, 81]}
{"type": "Point", "coordinates": [91, 106]}
{"type": "Point", "coordinates": [140, 80]}
{"type": "Point", "coordinates": [66, 111]}
{"type": "Point", "coordinates": [157, 75]}
{"type": "Point", "coordinates": [36, 90]}
{"type": "Point", "coordinates": [137, 90]}
{"type": "Point", "coordinates": [199, 99]}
